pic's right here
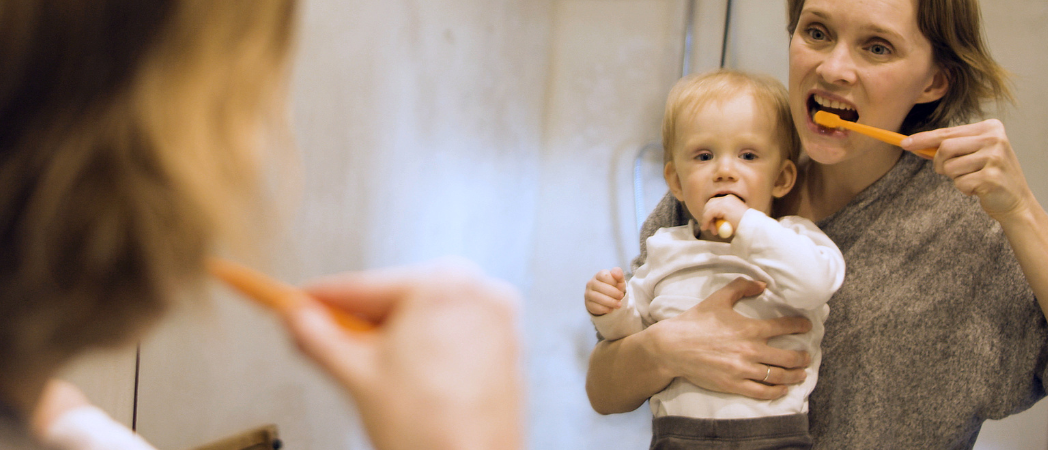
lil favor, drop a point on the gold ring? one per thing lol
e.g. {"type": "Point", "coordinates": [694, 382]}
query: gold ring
{"type": "Point", "coordinates": [766, 375]}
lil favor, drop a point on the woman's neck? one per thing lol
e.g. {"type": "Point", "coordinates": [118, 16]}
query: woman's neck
{"type": "Point", "coordinates": [825, 189]}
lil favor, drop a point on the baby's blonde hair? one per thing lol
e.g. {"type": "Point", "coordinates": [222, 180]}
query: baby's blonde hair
{"type": "Point", "coordinates": [694, 91]}
{"type": "Point", "coordinates": [129, 148]}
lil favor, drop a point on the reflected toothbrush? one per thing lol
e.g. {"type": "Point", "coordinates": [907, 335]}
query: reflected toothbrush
{"type": "Point", "coordinates": [831, 120]}
{"type": "Point", "coordinates": [276, 295]}
{"type": "Point", "coordinates": [724, 229]}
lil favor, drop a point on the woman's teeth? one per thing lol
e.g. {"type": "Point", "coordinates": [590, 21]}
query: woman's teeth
{"type": "Point", "coordinates": [832, 104]}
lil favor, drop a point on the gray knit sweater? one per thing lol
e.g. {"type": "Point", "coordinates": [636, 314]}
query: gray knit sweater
{"type": "Point", "coordinates": [935, 329]}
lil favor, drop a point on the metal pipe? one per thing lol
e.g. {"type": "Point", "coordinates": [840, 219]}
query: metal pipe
{"type": "Point", "coordinates": [724, 40]}
{"type": "Point", "coordinates": [689, 26]}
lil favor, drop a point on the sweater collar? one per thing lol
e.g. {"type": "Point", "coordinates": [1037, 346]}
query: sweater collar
{"type": "Point", "coordinates": [890, 184]}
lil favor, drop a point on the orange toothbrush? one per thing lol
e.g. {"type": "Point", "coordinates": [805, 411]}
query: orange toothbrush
{"type": "Point", "coordinates": [274, 294]}
{"type": "Point", "coordinates": [724, 229]}
{"type": "Point", "coordinates": [831, 120]}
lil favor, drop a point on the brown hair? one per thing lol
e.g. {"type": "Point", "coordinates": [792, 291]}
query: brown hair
{"type": "Point", "coordinates": [693, 91]}
{"type": "Point", "coordinates": [959, 48]}
{"type": "Point", "coordinates": [128, 150]}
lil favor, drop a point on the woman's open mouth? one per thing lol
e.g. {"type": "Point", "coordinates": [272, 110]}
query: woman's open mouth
{"type": "Point", "coordinates": [817, 102]}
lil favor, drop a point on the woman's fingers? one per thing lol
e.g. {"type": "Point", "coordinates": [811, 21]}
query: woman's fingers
{"type": "Point", "coordinates": [715, 347]}
{"type": "Point", "coordinates": [734, 291]}
{"type": "Point", "coordinates": [781, 376]}
{"type": "Point", "coordinates": [782, 326]}
{"type": "Point", "coordinates": [936, 138]}
{"type": "Point", "coordinates": [347, 357]}
{"type": "Point", "coordinates": [769, 382]}
{"type": "Point", "coordinates": [438, 326]}
{"type": "Point", "coordinates": [980, 160]}
{"type": "Point", "coordinates": [374, 293]}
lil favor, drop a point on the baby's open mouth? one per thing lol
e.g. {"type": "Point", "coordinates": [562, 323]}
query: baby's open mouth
{"type": "Point", "coordinates": [820, 103]}
{"type": "Point", "coordinates": [725, 194]}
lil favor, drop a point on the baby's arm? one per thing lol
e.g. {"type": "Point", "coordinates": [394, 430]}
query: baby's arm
{"type": "Point", "coordinates": [805, 266]}
{"type": "Point", "coordinates": [612, 311]}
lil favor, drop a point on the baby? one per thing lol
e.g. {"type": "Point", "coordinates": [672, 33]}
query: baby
{"type": "Point", "coordinates": [730, 149]}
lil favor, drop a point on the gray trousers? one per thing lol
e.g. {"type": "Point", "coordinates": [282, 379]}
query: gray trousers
{"type": "Point", "coordinates": [776, 432]}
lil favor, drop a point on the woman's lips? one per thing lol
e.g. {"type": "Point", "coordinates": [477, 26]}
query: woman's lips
{"type": "Point", "coordinates": [825, 103]}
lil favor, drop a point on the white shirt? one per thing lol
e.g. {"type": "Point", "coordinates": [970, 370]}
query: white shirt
{"type": "Point", "coordinates": [89, 428]}
{"type": "Point", "coordinates": [801, 266]}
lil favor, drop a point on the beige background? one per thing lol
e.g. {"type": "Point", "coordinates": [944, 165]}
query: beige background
{"type": "Point", "coordinates": [500, 130]}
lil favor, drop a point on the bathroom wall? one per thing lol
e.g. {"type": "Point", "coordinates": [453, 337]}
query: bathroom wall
{"type": "Point", "coordinates": [607, 88]}
{"type": "Point", "coordinates": [504, 131]}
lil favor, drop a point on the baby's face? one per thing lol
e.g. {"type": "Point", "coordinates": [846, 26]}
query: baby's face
{"type": "Point", "coordinates": [727, 147]}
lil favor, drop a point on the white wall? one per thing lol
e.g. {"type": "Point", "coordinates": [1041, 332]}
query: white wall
{"type": "Point", "coordinates": [503, 131]}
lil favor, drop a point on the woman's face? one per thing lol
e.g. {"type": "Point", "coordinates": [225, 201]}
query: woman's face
{"type": "Point", "coordinates": [865, 60]}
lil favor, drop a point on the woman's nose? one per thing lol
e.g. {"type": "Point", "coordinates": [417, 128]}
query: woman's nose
{"type": "Point", "coordinates": [838, 66]}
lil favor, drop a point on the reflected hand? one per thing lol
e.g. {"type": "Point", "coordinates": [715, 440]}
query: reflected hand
{"type": "Point", "coordinates": [980, 160]}
{"type": "Point", "coordinates": [441, 371]}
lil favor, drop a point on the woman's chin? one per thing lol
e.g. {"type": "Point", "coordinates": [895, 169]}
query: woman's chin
{"type": "Point", "coordinates": [825, 154]}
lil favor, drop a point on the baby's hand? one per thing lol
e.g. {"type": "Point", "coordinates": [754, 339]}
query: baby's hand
{"type": "Point", "coordinates": [728, 208]}
{"type": "Point", "coordinates": [605, 291]}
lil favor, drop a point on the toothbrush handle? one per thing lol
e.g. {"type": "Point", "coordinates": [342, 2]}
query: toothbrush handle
{"type": "Point", "coordinates": [890, 137]}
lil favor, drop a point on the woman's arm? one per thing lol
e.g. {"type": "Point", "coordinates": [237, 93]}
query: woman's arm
{"type": "Point", "coordinates": [710, 345]}
{"type": "Point", "coordinates": [980, 160]}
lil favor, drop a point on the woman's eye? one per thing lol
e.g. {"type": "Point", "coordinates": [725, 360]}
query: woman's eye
{"type": "Point", "coordinates": [880, 50]}
{"type": "Point", "coordinates": [816, 34]}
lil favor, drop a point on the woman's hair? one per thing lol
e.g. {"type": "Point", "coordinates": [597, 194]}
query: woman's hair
{"type": "Point", "coordinates": [959, 48]}
{"type": "Point", "coordinates": [128, 150]}
{"type": "Point", "coordinates": [694, 91]}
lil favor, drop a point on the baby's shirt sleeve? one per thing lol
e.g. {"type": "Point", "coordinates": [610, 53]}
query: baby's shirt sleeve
{"type": "Point", "coordinates": [805, 266]}
{"type": "Point", "coordinates": [90, 428]}
{"type": "Point", "coordinates": [632, 316]}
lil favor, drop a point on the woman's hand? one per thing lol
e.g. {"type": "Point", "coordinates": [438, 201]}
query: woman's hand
{"type": "Point", "coordinates": [441, 370]}
{"type": "Point", "coordinates": [979, 159]}
{"type": "Point", "coordinates": [710, 345]}
{"type": "Point", "coordinates": [716, 348]}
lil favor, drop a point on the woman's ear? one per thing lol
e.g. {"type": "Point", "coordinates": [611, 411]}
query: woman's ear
{"type": "Point", "coordinates": [669, 172]}
{"type": "Point", "coordinates": [784, 182]}
{"type": "Point", "coordinates": [936, 89]}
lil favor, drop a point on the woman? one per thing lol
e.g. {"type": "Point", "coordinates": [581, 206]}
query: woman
{"type": "Point", "coordinates": [129, 152]}
{"type": "Point", "coordinates": [936, 328]}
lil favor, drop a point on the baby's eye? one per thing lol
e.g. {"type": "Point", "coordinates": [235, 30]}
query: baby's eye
{"type": "Point", "coordinates": [748, 155]}
{"type": "Point", "coordinates": [704, 156]}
